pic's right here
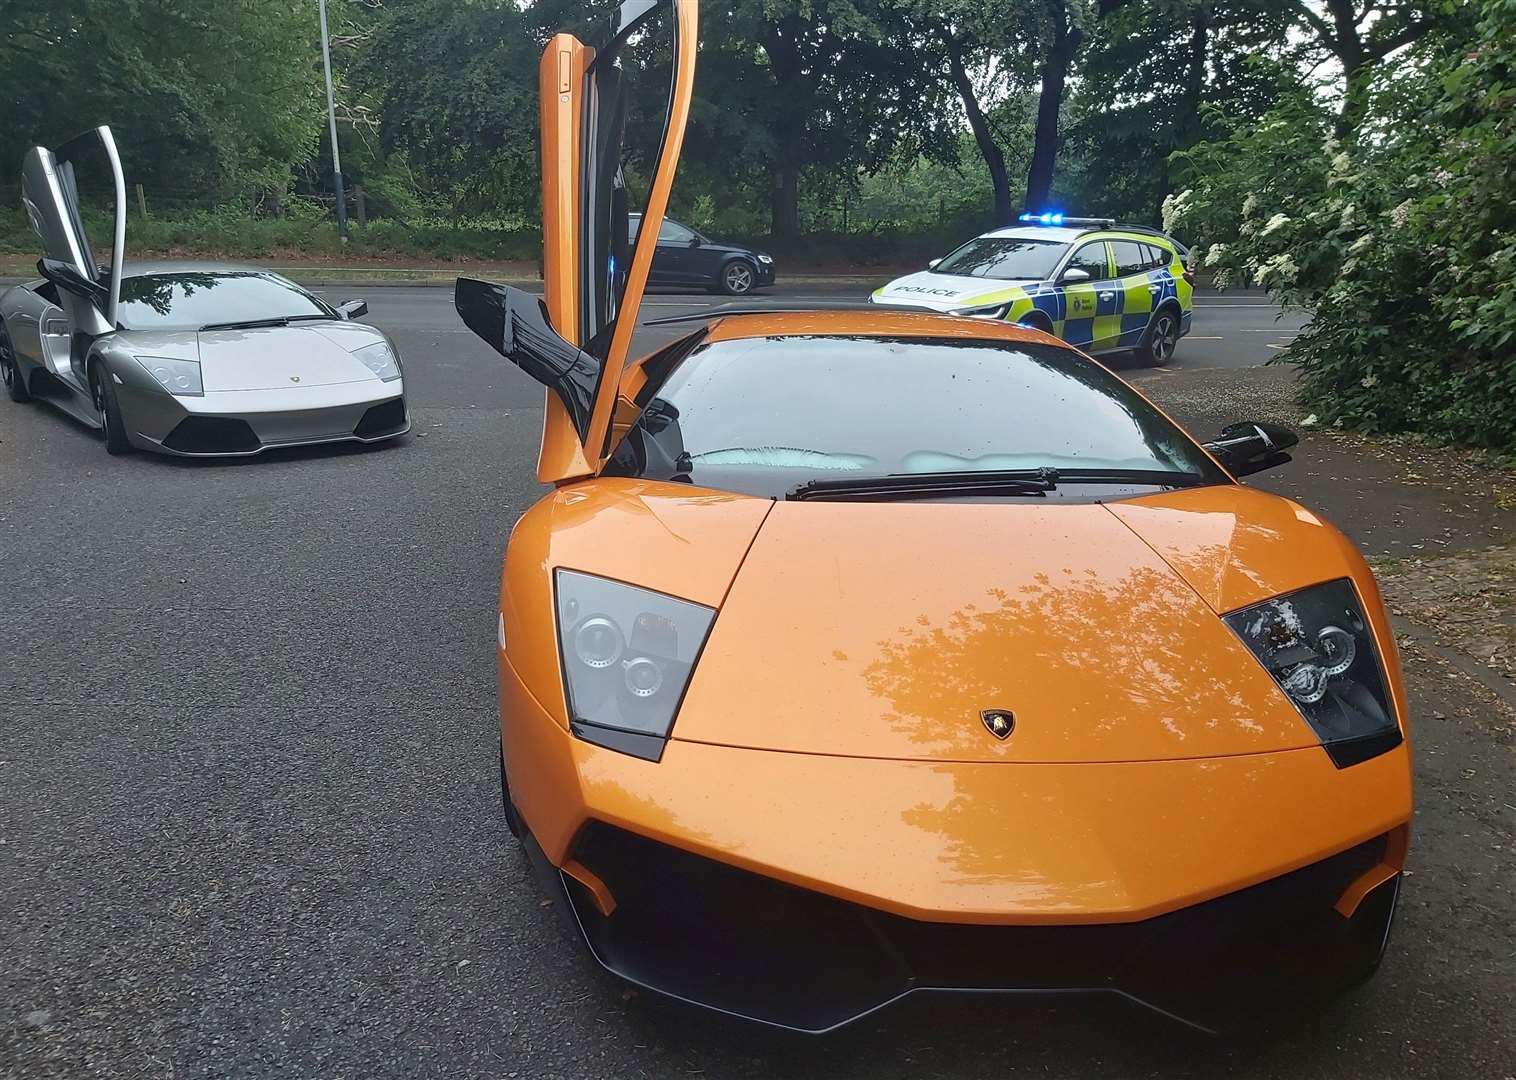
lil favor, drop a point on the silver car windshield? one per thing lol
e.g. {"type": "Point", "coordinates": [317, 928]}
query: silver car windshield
{"type": "Point", "coordinates": [1005, 258]}
{"type": "Point", "coordinates": [188, 300]}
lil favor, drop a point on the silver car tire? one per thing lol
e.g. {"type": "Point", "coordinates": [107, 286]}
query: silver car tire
{"type": "Point", "coordinates": [10, 369]}
{"type": "Point", "coordinates": [108, 408]}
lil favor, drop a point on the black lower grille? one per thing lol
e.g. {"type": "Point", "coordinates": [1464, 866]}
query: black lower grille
{"type": "Point", "coordinates": [746, 944]}
{"type": "Point", "coordinates": [383, 419]}
{"type": "Point", "coordinates": [212, 435]}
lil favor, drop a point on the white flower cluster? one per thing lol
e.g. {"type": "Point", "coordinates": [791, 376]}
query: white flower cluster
{"type": "Point", "coordinates": [1250, 205]}
{"type": "Point", "coordinates": [1174, 208]}
{"type": "Point", "coordinates": [1401, 214]}
{"type": "Point", "coordinates": [1215, 255]}
{"type": "Point", "coordinates": [1278, 221]}
{"type": "Point", "coordinates": [1278, 271]}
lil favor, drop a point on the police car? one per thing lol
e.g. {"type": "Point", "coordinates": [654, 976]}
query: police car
{"type": "Point", "coordinates": [1100, 286]}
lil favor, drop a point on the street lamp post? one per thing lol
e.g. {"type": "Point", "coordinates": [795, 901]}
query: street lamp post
{"type": "Point", "coordinates": [331, 116]}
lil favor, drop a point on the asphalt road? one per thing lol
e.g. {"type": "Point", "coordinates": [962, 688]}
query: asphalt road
{"type": "Point", "coordinates": [249, 822]}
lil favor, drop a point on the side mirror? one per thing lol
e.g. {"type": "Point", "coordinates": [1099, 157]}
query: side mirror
{"type": "Point", "coordinates": [694, 241]}
{"type": "Point", "coordinates": [1073, 275]}
{"type": "Point", "coordinates": [933, 264]}
{"type": "Point", "coordinates": [67, 278]}
{"type": "Point", "coordinates": [353, 309]}
{"type": "Point", "coordinates": [1252, 446]}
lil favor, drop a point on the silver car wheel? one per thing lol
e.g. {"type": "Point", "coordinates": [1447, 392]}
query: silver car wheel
{"type": "Point", "coordinates": [101, 412]}
{"type": "Point", "coordinates": [737, 278]}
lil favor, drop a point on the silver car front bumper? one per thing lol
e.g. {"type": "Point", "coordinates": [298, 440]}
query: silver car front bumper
{"type": "Point", "coordinates": [240, 423]}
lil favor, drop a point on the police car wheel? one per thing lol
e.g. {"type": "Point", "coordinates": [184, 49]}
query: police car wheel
{"type": "Point", "coordinates": [1162, 339]}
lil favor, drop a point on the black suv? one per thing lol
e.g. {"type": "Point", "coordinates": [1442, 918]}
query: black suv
{"type": "Point", "coordinates": [684, 257]}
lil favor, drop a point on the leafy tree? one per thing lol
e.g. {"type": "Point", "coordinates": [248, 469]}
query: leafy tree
{"type": "Point", "coordinates": [456, 87]}
{"type": "Point", "coordinates": [1400, 243]}
{"type": "Point", "coordinates": [1145, 74]}
{"type": "Point", "coordinates": [205, 100]}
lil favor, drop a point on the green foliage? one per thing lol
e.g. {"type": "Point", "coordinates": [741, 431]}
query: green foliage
{"type": "Point", "coordinates": [456, 84]}
{"type": "Point", "coordinates": [1401, 246]}
{"type": "Point", "coordinates": [217, 98]}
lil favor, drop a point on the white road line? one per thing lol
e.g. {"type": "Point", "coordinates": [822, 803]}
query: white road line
{"type": "Point", "coordinates": [1204, 337]}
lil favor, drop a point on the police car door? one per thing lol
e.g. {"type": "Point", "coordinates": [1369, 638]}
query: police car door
{"type": "Point", "coordinates": [1138, 295]}
{"type": "Point", "coordinates": [1092, 312]}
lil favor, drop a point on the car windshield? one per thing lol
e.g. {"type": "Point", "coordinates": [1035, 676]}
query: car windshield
{"type": "Point", "coordinates": [1006, 258]}
{"type": "Point", "coordinates": [191, 299]}
{"type": "Point", "coordinates": [764, 415]}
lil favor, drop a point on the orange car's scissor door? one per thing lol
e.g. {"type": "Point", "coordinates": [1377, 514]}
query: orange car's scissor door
{"type": "Point", "coordinates": [576, 339]}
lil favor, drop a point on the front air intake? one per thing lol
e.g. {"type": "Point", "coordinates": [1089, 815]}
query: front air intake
{"type": "Point", "coordinates": [386, 418]}
{"type": "Point", "coordinates": [212, 435]}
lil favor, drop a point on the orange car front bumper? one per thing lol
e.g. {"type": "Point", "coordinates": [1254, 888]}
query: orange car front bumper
{"type": "Point", "coordinates": [731, 877]}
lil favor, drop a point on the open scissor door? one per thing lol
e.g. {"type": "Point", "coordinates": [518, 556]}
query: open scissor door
{"type": "Point", "coordinates": [51, 184]}
{"type": "Point", "coordinates": [576, 337]}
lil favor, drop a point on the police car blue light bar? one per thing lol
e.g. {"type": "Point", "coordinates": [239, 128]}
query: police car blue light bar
{"type": "Point", "coordinates": [1057, 218]}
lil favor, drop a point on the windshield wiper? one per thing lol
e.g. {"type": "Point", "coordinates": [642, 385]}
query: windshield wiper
{"type": "Point", "coordinates": [277, 320]}
{"type": "Point", "coordinates": [1032, 482]}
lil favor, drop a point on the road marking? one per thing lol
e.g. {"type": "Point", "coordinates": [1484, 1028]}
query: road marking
{"type": "Point", "coordinates": [1271, 345]}
{"type": "Point", "coordinates": [1204, 337]}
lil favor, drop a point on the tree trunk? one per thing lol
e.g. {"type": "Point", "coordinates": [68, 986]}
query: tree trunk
{"type": "Point", "coordinates": [1055, 72]}
{"type": "Point", "coordinates": [785, 62]}
{"type": "Point", "coordinates": [784, 211]}
{"type": "Point", "coordinates": [994, 160]}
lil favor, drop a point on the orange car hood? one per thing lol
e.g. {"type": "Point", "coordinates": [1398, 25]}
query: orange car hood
{"type": "Point", "coordinates": [836, 637]}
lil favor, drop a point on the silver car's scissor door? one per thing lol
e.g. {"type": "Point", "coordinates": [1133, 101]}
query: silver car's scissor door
{"type": "Point", "coordinates": [51, 186]}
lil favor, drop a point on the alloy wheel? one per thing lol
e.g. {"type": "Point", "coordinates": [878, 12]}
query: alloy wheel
{"type": "Point", "coordinates": [1164, 339]}
{"type": "Point", "coordinates": [738, 278]}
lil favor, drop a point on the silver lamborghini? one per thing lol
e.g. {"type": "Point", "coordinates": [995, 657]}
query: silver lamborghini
{"type": "Point", "coordinates": [196, 359]}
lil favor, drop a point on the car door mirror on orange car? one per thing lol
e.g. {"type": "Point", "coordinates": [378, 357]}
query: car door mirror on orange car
{"type": "Point", "coordinates": [1252, 446]}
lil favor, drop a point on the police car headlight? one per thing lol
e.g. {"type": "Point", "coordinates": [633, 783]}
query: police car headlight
{"type": "Point", "coordinates": [994, 311]}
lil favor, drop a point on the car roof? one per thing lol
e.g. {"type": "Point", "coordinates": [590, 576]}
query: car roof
{"type": "Point", "coordinates": [1036, 232]}
{"type": "Point", "coordinates": [863, 322]}
{"type": "Point", "coordinates": [1068, 234]}
{"type": "Point", "coordinates": [147, 267]}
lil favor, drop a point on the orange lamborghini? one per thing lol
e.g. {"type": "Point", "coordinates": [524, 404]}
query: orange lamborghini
{"type": "Point", "coordinates": [860, 652]}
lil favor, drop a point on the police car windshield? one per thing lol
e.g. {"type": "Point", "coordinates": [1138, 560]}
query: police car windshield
{"type": "Point", "coordinates": [763, 415]}
{"type": "Point", "coordinates": [1004, 258]}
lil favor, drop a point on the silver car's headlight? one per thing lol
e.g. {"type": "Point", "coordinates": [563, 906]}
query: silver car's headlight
{"type": "Point", "coordinates": [380, 359]}
{"type": "Point", "coordinates": [627, 658]}
{"type": "Point", "coordinates": [179, 377]}
{"type": "Point", "coordinates": [1317, 645]}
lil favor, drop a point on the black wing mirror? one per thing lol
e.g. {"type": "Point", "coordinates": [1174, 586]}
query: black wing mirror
{"type": "Point", "coordinates": [68, 278]}
{"type": "Point", "coordinates": [694, 241]}
{"type": "Point", "coordinates": [353, 309]}
{"type": "Point", "coordinates": [1252, 446]}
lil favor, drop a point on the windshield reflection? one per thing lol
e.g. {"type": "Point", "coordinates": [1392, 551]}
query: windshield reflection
{"type": "Point", "coordinates": [762, 415]}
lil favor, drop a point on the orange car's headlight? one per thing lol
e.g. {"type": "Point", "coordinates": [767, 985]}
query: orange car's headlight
{"type": "Point", "coordinates": [627, 655]}
{"type": "Point", "coordinates": [1317, 645]}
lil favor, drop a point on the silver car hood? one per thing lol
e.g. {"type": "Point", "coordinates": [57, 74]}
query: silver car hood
{"type": "Point", "coordinates": [264, 357]}
{"type": "Point", "coordinates": [281, 357]}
